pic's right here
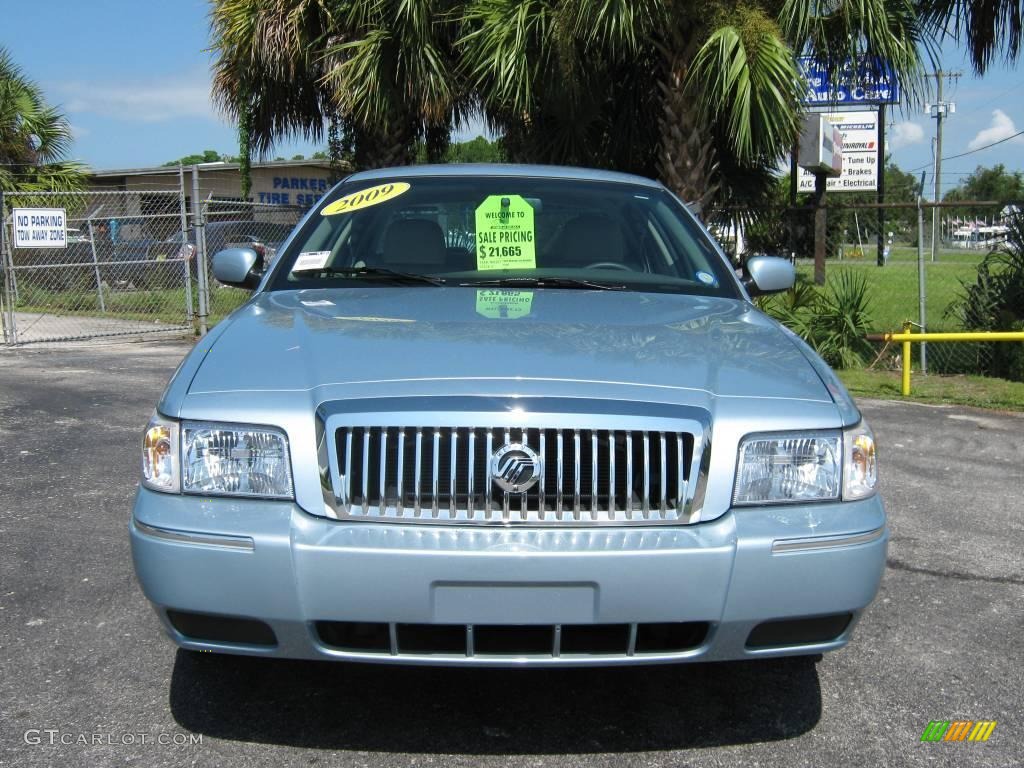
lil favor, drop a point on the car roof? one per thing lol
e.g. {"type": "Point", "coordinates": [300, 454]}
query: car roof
{"type": "Point", "coordinates": [506, 170]}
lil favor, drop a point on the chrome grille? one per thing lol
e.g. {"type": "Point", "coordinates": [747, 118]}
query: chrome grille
{"type": "Point", "coordinates": [443, 475]}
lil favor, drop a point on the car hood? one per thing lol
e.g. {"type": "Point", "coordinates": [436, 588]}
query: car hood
{"type": "Point", "coordinates": [429, 337]}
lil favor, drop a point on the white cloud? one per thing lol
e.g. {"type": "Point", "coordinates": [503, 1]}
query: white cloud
{"type": "Point", "coordinates": [144, 101]}
{"type": "Point", "coordinates": [905, 134]}
{"type": "Point", "coordinates": [1002, 127]}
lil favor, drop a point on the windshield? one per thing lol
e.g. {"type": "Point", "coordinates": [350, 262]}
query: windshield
{"type": "Point", "coordinates": [497, 231]}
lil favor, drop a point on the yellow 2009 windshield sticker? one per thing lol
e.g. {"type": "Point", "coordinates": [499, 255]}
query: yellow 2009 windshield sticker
{"type": "Point", "coordinates": [364, 198]}
{"type": "Point", "coordinates": [505, 234]}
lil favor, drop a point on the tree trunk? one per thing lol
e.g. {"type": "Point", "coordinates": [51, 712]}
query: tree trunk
{"type": "Point", "coordinates": [385, 146]}
{"type": "Point", "coordinates": [687, 162]}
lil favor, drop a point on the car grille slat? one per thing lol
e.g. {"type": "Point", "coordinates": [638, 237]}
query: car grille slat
{"type": "Point", "coordinates": [444, 475]}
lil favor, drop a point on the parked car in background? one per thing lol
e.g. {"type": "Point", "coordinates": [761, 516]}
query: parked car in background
{"type": "Point", "coordinates": [506, 415]}
{"type": "Point", "coordinates": [60, 269]}
{"type": "Point", "coordinates": [161, 263]}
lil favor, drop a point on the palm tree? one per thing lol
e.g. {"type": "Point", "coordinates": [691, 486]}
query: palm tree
{"type": "Point", "coordinates": [986, 27]}
{"type": "Point", "coordinates": [705, 96]}
{"type": "Point", "coordinates": [34, 138]}
{"type": "Point", "coordinates": [380, 70]}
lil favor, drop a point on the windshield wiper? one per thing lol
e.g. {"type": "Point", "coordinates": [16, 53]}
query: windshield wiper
{"type": "Point", "coordinates": [548, 282]}
{"type": "Point", "coordinates": [373, 273]}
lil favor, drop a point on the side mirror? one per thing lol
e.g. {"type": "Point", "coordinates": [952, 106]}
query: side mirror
{"type": "Point", "coordinates": [768, 274]}
{"type": "Point", "coordinates": [240, 267]}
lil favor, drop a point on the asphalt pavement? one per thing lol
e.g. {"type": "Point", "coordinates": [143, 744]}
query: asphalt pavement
{"type": "Point", "coordinates": [87, 677]}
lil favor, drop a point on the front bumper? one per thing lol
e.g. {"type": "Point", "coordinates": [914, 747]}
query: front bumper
{"type": "Point", "coordinates": [272, 562]}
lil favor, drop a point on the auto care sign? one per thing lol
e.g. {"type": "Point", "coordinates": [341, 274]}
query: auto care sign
{"type": "Point", "coordinates": [860, 154]}
{"type": "Point", "coordinates": [40, 228]}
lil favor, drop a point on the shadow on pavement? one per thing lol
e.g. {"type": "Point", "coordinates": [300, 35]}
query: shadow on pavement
{"type": "Point", "coordinates": [493, 711]}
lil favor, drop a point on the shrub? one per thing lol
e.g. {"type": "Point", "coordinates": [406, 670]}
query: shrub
{"type": "Point", "coordinates": [835, 322]}
{"type": "Point", "coordinates": [995, 302]}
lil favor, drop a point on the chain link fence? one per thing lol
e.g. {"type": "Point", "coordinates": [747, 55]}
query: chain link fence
{"type": "Point", "coordinates": [122, 271]}
{"type": "Point", "coordinates": [234, 223]}
{"type": "Point", "coordinates": [890, 248]}
{"type": "Point", "coordinates": [132, 264]}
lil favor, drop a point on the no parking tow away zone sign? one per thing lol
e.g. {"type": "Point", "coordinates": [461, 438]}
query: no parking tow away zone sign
{"type": "Point", "coordinates": [40, 228]}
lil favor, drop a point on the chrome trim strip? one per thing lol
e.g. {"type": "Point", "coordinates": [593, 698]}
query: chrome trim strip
{"type": "Point", "coordinates": [611, 473]}
{"type": "Point", "coordinates": [419, 472]}
{"type": "Point", "coordinates": [560, 468]}
{"type": "Point", "coordinates": [489, 480]}
{"type": "Point", "coordinates": [524, 502]}
{"type": "Point", "coordinates": [366, 470]}
{"type": "Point", "coordinates": [629, 475]}
{"type": "Point", "coordinates": [680, 476]}
{"type": "Point", "coordinates": [347, 501]}
{"type": "Point", "coordinates": [434, 511]}
{"type": "Point", "coordinates": [647, 476]}
{"type": "Point", "coordinates": [826, 542]}
{"type": "Point", "coordinates": [400, 505]}
{"type": "Point", "coordinates": [576, 468]}
{"type": "Point", "coordinates": [505, 499]}
{"type": "Point", "coordinates": [383, 470]}
{"type": "Point", "coordinates": [454, 454]}
{"type": "Point", "coordinates": [662, 445]}
{"type": "Point", "coordinates": [471, 480]}
{"type": "Point", "coordinates": [541, 511]}
{"type": "Point", "coordinates": [191, 537]}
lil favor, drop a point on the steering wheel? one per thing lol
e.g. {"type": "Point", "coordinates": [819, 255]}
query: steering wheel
{"type": "Point", "coordinates": [610, 265]}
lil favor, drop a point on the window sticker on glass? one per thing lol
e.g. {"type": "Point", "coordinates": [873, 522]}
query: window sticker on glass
{"type": "Point", "coordinates": [504, 304]}
{"type": "Point", "coordinates": [707, 278]}
{"type": "Point", "coordinates": [311, 260]}
{"type": "Point", "coordinates": [364, 198]}
{"type": "Point", "coordinates": [505, 234]}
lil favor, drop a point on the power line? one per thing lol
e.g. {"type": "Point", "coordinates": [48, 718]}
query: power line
{"type": "Point", "coordinates": [994, 143]}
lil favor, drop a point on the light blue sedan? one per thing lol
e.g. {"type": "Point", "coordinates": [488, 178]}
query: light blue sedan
{"type": "Point", "coordinates": [506, 415]}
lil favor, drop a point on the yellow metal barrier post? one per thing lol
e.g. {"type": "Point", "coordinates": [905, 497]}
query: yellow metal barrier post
{"type": "Point", "coordinates": [906, 338]}
{"type": "Point", "coordinates": [905, 388]}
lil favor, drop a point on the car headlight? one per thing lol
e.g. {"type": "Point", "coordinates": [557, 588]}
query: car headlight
{"type": "Point", "coordinates": [215, 459]}
{"type": "Point", "coordinates": [806, 466]}
{"type": "Point", "coordinates": [860, 466]}
{"type": "Point", "coordinates": [235, 460]}
{"type": "Point", "coordinates": [160, 456]}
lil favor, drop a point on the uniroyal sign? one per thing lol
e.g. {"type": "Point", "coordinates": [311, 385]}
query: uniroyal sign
{"type": "Point", "coordinates": [860, 154]}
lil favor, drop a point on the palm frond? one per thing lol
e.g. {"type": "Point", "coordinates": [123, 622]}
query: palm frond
{"type": "Point", "coordinates": [746, 79]}
{"type": "Point", "coordinates": [992, 29]}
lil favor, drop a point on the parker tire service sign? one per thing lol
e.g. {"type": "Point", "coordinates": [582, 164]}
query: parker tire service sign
{"type": "Point", "coordinates": [40, 228]}
{"type": "Point", "coordinates": [860, 154]}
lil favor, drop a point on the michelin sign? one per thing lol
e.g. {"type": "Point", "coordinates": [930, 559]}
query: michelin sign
{"type": "Point", "coordinates": [860, 154]}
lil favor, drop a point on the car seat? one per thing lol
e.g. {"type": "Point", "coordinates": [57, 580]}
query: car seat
{"type": "Point", "coordinates": [414, 245]}
{"type": "Point", "coordinates": [588, 239]}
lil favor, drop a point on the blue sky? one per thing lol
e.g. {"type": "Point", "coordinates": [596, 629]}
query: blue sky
{"type": "Point", "coordinates": [134, 80]}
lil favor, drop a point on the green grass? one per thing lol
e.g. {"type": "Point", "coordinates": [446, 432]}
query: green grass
{"type": "Point", "coordinates": [978, 391]}
{"type": "Point", "coordinates": [894, 288]}
{"type": "Point", "coordinates": [166, 305]}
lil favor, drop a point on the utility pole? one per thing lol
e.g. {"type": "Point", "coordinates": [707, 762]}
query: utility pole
{"type": "Point", "coordinates": [939, 110]}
